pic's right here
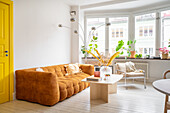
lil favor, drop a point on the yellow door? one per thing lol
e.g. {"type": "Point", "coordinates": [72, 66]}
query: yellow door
{"type": "Point", "coordinates": [4, 53]}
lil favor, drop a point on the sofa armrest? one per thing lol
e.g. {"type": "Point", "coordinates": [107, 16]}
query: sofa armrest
{"type": "Point", "coordinates": [87, 68]}
{"type": "Point", "coordinates": [40, 87]}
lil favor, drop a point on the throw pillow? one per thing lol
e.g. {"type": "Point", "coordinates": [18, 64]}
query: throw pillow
{"type": "Point", "coordinates": [121, 66]}
{"type": "Point", "coordinates": [39, 69]}
{"type": "Point", "coordinates": [130, 67]}
{"type": "Point", "coordinates": [72, 68]}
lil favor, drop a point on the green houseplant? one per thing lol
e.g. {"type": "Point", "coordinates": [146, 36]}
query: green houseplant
{"type": "Point", "coordinates": [138, 56]}
{"type": "Point", "coordinates": [92, 45]}
{"type": "Point", "coordinates": [130, 48]}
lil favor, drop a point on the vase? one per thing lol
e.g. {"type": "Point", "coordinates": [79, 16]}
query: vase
{"type": "Point", "coordinates": [105, 70]}
{"type": "Point", "coordinates": [164, 56]}
{"type": "Point", "coordinates": [132, 54]}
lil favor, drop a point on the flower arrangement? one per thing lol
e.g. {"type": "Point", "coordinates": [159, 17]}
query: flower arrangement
{"type": "Point", "coordinates": [164, 50]}
{"type": "Point", "coordinates": [106, 60]}
{"type": "Point", "coordinates": [103, 60]}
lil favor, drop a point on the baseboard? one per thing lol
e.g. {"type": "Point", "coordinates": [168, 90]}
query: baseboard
{"type": "Point", "coordinates": [14, 96]}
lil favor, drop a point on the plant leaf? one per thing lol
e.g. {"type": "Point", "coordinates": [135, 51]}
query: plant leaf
{"type": "Point", "coordinates": [112, 57]}
{"type": "Point", "coordinates": [127, 42]}
{"type": "Point", "coordinates": [92, 54]}
{"type": "Point", "coordinates": [96, 45]}
{"type": "Point", "coordinates": [134, 41]}
{"type": "Point", "coordinates": [122, 53]}
{"type": "Point", "coordinates": [120, 44]}
{"type": "Point", "coordinates": [90, 44]}
{"type": "Point", "coordinates": [131, 41]}
{"type": "Point", "coordinates": [94, 37]}
{"type": "Point", "coordinates": [129, 54]}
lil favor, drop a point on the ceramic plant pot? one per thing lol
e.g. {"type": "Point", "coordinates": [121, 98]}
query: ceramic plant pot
{"type": "Point", "coordinates": [165, 56]}
{"type": "Point", "coordinates": [132, 54]}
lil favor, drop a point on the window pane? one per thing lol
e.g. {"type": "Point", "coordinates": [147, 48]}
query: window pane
{"type": "Point", "coordinates": [165, 28]}
{"type": "Point", "coordinates": [117, 31]}
{"type": "Point", "coordinates": [99, 32]}
{"type": "Point", "coordinates": [145, 34]}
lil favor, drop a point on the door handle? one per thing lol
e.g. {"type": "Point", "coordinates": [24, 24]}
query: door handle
{"type": "Point", "coordinates": [6, 51]}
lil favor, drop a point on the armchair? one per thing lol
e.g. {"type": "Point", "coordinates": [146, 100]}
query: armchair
{"type": "Point", "coordinates": [129, 71]}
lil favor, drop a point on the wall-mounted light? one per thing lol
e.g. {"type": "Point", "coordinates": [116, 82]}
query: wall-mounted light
{"type": "Point", "coordinates": [106, 24]}
{"type": "Point", "coordinates": [72, 13]}
{"type": "Point", "coordinates": [60, 25]}
{"type": "Point", "coordinates": [72, 19]}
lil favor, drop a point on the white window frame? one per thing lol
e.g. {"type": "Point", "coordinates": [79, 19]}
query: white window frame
{"type": "Point", "coordinates": [159, 11]}
{"type": "Point", "coordinates": [157, 31]}
{"type": "Point", "coordinates": [107, 27]}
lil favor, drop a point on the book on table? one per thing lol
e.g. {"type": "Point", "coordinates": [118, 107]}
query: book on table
{"type": "Point", "coordinates": [92, 78]}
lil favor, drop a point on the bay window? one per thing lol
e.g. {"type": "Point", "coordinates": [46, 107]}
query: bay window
{"type": "Point", "coordinates": [150, 30]}
{"type": "Point", "coordinates": [145, 34]}
{"type": "Point", "coordinates": [117, 31]}
{"type": "Point", "coordinates": [165, 28]}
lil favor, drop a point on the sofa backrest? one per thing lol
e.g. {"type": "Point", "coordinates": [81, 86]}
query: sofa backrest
{"type": "Point", "coordinates": [59, 70]}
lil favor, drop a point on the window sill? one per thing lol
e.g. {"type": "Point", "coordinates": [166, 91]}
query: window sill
{"type": "Point", "coordinates": [91, 58]}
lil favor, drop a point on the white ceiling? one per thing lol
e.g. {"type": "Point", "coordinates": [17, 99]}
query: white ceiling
{"type": "Point", "coordinates": [112, 4]}
{"type": "Point", "coordinates": [84, 2]}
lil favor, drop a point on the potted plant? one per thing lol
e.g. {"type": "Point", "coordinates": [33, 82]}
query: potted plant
{"type": "Point", "coordinates": [130, 51]}
{"type": "Point", "coordinates": [138, 56]}
{"type": "Point", "coordinates": [165, 52]}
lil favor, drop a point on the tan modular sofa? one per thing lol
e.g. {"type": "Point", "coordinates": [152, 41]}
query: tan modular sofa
{"type": "Point", "coordinates": [51, 86]}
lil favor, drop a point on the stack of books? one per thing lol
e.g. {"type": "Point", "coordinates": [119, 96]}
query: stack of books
{"type": "Point", "coordinates": [91, 78]}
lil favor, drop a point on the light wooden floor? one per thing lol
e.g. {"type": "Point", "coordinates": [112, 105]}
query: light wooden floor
{"type": "Point", "coordinates": [134, 100]}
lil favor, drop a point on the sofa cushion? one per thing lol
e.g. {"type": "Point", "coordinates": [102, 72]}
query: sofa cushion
{"type": "Point", "coordinates": [72, 68]}
{"type": "Point", "coordinates": [134, 74]}
{"type": "Point", "coordinates": [59, 70]}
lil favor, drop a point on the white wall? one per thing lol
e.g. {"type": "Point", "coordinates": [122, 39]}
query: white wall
{"type": "Point", "coordinates": [75, 37]}
{"type": "Point", "coordinates": [38, 41]}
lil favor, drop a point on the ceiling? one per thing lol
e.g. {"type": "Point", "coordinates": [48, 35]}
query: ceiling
{"type": "Point", "coordinates": [89, 5]}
